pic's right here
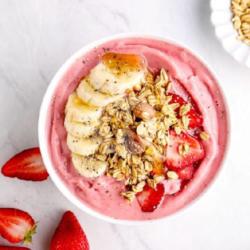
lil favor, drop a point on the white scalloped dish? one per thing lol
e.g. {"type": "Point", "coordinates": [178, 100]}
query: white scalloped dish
{"type": "Point", "coordinates": [221, 18]}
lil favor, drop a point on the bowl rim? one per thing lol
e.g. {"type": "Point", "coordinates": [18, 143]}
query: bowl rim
{"type": "Point", "coordinates": [56, 179]}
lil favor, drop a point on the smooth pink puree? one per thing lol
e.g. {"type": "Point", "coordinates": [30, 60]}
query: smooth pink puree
{"type": "Point", "coordinates": [189, 75]}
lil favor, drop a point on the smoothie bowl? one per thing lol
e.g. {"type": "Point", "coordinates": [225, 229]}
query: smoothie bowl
{"type": "Point", "coordinates": [133, 128]}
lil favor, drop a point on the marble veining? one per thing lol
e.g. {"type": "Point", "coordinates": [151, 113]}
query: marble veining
{"type": "Point", "coordinates": [36, 37]}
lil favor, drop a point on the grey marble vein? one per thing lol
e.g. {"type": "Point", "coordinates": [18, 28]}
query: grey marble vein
{"type": "Point", "coordinates": [37, 36]}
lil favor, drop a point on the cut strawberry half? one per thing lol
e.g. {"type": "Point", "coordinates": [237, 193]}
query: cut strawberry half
{"type": "Point", "coordinates": [186, 173]}
{"type": "Point", "coordinates": [27, 165]}
{"type": "Point", "coordinates": [16, 225]}
{"type": "Point", "coordinates": [195, 119]}
{"type": "Point", "coordinates": [177, 99]}
{"type": "Point", "coordinates": [149, 199]}
{"type": "Point", "coordinates": [69, 235]}
{"type": "Point", "coordinates": [176, 157]}
{"type": "Point", "coordinates": [13, 248]}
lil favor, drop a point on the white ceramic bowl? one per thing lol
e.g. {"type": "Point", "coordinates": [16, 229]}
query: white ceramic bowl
{"type": "Point", "coordinates": [221, 18]}
{"type": "Point", "coordinates": [42, 132]}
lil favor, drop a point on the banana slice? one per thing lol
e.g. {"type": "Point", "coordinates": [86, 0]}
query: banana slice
{"type": "Point", "coordinates": [78, 129]}
{"type": "Point", "coordinates": [77, 111]}
{"type": "Point", "coordinates": [117, 72]}
{"type": "Point", "coordinates": [93, 97]}
{"type": "Point", "coordinates": [88, 166]}
{"type": "Point", "coordinates": [83, 146]}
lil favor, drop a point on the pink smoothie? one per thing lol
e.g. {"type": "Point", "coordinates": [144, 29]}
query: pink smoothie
{"type": "Point", "coordinates": [189, 76]}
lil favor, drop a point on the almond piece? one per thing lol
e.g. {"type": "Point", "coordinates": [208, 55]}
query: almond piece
{"type": "Point", "coordinates": [144, 111]}
{"type": "Point", "coordinates": [133, 142]}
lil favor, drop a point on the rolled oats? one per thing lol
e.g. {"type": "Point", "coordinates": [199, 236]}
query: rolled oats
{"type": "Point", "coordinates": [162, 137]}
{"type": "Point", "coordinates": [139, 187]}
{"type": "Point", "coordinates": [135, 134]}
{"type": "Point", "coordinates": [159, 178]}
{"type": "Point", "coordinates": [183, 149]}
{"type": "Point", "coordinates": [172, 175]}
{"type": "Point", "coordinates": [152, 183]}
{"type": "Point", "coordinates": [128, 195]}
{"type": "Point", "coordinates": [121, 151]}
{"type": "Point", "coordinates": [184, 109]}
{"type": "Point", "coordinates": [241, 19]}
{"type": "Point", "coordinates": [204, 136]}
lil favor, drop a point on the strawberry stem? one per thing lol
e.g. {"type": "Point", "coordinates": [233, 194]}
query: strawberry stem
{"type": "Point", "coordinates": [29, 234]}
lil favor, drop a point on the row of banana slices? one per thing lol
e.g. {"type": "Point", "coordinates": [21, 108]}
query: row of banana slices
{"type": "Point", "coordinates": [106, 83]}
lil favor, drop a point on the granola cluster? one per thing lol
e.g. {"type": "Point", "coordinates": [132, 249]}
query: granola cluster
{"type": "Point", "coordinates": [241, 19]}
{"type": "Point", "coordinates": [135, 133]}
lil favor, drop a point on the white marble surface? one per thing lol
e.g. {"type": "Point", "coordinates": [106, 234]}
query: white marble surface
{"type": "Point", "coordinates": [36, 36]}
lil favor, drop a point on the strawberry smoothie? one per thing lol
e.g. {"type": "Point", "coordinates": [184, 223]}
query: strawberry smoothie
{"type": "Point", "coordinates": [190, 78]}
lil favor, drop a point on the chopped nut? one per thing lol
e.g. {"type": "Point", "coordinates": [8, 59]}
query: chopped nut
{"type": "Point", "coordinates": [133, 143]}
{"type": "Point", "coordinates": [144, 111]}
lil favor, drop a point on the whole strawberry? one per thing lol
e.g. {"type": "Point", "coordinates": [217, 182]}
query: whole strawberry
{"type": "Point", "coordinates": [16, 225]}
{"type": "Point", "coordinates": [69, 235]}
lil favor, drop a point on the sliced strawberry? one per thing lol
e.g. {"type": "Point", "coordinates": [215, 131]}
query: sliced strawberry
{"type": "Point", "coordinates": [176, 159]}
{"type": "Point", "coordinates": [195, 119]}
{"type": "Point", "coordinates": [149, 199]}
{"type": "Point", "coordinates": [186, 173]}
{"type": "Point", "coordinates": [27, 165]}
{"type": "Point", "coordinates": [13, 248]}
{"type": "Point", "coordinates": [16, 225]}
{"type": "Point", "coordinates": [177, 99]}
{"type": "Point", "coordinates": [69, 235]}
